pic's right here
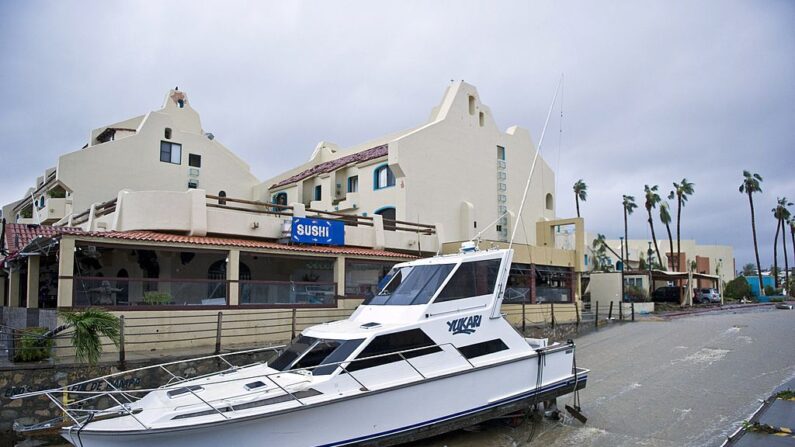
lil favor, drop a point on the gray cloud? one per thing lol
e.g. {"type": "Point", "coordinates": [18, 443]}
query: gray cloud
{"type": "Point", "coordinates": [655, 91]}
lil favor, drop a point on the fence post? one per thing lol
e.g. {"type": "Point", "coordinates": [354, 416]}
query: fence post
{"type": "Point", "coordinates": [632, 305]}
{"type": "Point", "coordinates": [218, 333]}
{"type": "Point", "coordinates": [552, 309]}
{"type": "Point", "coordinates": [121, 339]}
{"type": "Point", "coordinates": [621, 310]}
{"type": "Point", "coordinates": [610, 312]}
{"type": "Point", "coordinates": [292, 327]}
{"type": "Point", "coordinates": [596, 316]}
{"type": "Point", "coordinates": [524, 319]}
{"type": "Point", "coordinates": [577, 311]}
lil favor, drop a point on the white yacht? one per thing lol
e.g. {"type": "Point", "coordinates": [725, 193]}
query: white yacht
{"type": "Point", "coordinates": [428, 354]}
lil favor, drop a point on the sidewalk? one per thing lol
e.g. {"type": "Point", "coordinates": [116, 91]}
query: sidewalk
{"type": "Point", "coordinates": [772, 424]}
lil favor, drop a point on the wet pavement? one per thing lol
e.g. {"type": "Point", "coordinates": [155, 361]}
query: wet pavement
{"type": "Point", "coordinates": [689, 381]}
{"type": "Point", "coordinates": [685, 381]}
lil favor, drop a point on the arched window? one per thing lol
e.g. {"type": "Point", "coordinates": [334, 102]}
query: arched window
{"type": "Point", "coordinates": [383, 177]}
{"type": "Point", "coordinates": [222, 197]}
{"type": "Point", "coordinates": [167, 133]}
{"type": "Point", "coordinates": [280, 198]}
{"type": "Point", "coordinates": [389, 216]}
{"type": "Point", "coordinates": [550, 202]}
{"type": "Point", "coordinates": [181, 103]}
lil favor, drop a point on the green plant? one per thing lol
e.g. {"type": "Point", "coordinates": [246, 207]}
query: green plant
{"type": "Point", "coordinates": [635, 293]}
{"type": "Point", "coordinates": [26, 213]}
{"type": "Point", "coordinates": [750, 185]}
{"type": "Point", "coordinates": [56, 193]}
{"type": "Point", "coordinates": [777, 299]}
{"type": "Point", "coordinates": [87, 326]}
{"type": "Point", "coordinates": [157, 298]}
{"type": "Point", "coordinates": [32, 346]}
{"type": "Point", "coordinates": [737, 288]}
{"type": "Point", "coordinates": [769, 290]}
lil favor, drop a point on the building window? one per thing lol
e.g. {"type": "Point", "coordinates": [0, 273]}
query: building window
{"type": "Point", "coordinates": [482, 119]}
{"type": "Point", "coordinates": [383, 177]}
{"type": "Point", "coordinates": [181, 103]}
{"type": "Point", "coordinates": [500, 153]}
{"type": "Point", "coordinates": [193, 184]}
{"type": "Point", "coordinates": [167, 133]}
{"type": "Point", "coordinates": [170, 152]}
{"type": "Point", "coordinates": [471, 105]}
{"type": "Point", "coordinates": [550, 202]}
{"type": "Point", "coordinates": [353, 183]}
{"type": "Point", "coordinates": [195, 160]}
{"type": "Point", "coordinates": [389, 216]}
{"type": "Point", "coordinates": [280, 198]}
{"type": "Point", "coordinates": [318, 192]}
{"type": "Point", "coordinates": [222, 197]}
{"type": "Point", "coordinates": [363, 278]}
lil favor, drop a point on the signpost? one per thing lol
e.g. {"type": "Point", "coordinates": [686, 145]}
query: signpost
{"type": "Point", "coordinates": [317, 231]}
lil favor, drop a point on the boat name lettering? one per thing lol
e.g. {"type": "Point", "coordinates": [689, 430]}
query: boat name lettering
{"type": "Point", "coordinates": [464, 325]}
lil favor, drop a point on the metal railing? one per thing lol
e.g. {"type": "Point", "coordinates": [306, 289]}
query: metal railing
{"type": "Point", "coordinates": [78, 412]}
{"type": "Point", "coordinates": [107, 291]}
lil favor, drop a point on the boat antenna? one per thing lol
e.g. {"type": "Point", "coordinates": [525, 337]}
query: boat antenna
{"type": "Point", "coordinates": [535, 159]}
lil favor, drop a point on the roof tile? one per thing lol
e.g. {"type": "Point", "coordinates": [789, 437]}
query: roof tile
{"type": "Point", "coordinates": [332, 165]}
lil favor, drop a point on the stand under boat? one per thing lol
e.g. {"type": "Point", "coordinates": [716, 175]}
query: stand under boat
{"type": "Point", "coordinates": [429, 354]}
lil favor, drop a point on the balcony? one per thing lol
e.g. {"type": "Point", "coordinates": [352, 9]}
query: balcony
{"type": "Point", "coordinates": [350, 202]}
{"type": "Point", "coordinates": [54, 210]}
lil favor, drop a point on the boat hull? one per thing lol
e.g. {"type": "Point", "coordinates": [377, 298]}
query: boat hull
{"type": "Point", "coordinates": [382, 417]}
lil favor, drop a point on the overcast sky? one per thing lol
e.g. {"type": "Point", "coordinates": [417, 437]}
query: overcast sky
{"type": "Point", "coordinates": [654, 91]}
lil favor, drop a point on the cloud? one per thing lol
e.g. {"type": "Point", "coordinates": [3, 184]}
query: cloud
{"type": "Point", "coordinates": [654, 91]}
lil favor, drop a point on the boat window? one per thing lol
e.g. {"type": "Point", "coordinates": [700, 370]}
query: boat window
{"type": "Point", "coordinates": [183, 391]}
{"type": "Point", "coordinates": [395, 342]}
{"type": "Point", "coordinates": [472, 279]}
{"type": "Point", "coordinates": [328, 365]}
{"type": "Point", "coordinates": [294, 350]}
{"type": "Point", "coordinates": [412, 284]}
{"type": "Point", "coordinates": [484, 348]}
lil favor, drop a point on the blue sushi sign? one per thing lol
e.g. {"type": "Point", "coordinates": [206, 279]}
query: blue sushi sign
{"type": "Point", "coordinates": [317, 231]}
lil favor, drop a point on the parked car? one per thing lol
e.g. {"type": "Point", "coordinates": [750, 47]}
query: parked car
{"type": "Point", "coordinates": [707, 296]}
{"type": "Point", "coordinates": [668, 294]}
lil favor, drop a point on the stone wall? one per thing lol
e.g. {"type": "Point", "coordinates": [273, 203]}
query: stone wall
{"type": "Point", "coordinates": [26, 378]}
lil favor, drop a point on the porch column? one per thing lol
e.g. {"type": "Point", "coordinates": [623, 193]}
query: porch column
{"type": "Point", "coordinates": [13, 285]}
{"type": "Point", "coordinates": [339, 275]}
{"type": "Point", "coordinates": [3, 291]}
{"type": "Point", "coordinates": [33, 281]}
{"type": "Point", "coordinates": [233, 276]}
{"type": "Point", "coordinates": [66, 268]}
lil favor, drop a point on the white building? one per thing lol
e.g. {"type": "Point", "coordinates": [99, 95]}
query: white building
{"type": "Point", "coordinates": [457, 170]}
{"type": "Point", "coordinates": [163, 150]}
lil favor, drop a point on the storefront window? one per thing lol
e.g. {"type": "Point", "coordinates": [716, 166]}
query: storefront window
{"type": "Point", "coordinates": [553, 284]}
{"type": "Point", "coordinates": [518, 288]}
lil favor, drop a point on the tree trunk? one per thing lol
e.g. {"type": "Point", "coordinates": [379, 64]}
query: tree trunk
{"type": "Point", "coordinates": [654, 238]}
{"type": "Point", "coordinates": [756, 246]}
{"type": "Point", "coordinates": [678, 267]}
{"type": "Point", "coordinates": [786, 262]}
{"type": "Point", "coordinates": [577, 201]}
{"type": "Point", "coordinates": [671, 243]}
{"type": "Point", "coordinates": [626, 239]}
{"type": "Point", "coordinates": [775, 255]}
{"type": "Point", "coordinates": [792, 233]}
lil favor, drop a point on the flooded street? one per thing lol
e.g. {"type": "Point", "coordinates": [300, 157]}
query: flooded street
{"type": "Point", "coordinates": [689, 381]}
{"type": "Point", "coordinates": [686, 382]}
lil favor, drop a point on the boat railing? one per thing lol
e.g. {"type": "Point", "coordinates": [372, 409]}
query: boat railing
{"type": "Point", "coordinates": [77, 411]}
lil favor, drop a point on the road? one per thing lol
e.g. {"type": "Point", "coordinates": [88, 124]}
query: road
{"type": "Point", "coordinates": [683, 382]}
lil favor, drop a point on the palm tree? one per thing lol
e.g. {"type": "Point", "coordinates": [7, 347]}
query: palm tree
{"type": "Point", "coordinates": [652, 199]}
{"type": "Point", "coordinates": [792, 233]}
{"type": "Point", "coordinates": [580, 193]}
{"type": "Point", "coordinates": [87, 326]}
{"type": "Point", "coordinates": [629, 206]}
{"type": "Point", "coordinates": [782, 214]}
{"type": "Point", "coordinates": [749, 269]}
{"type": "Point", "coordinates": [682, 191]}
{"type": "Point", "coordinates": [749, 186]}
{"type": "Point", "coordinates": [665, 217]}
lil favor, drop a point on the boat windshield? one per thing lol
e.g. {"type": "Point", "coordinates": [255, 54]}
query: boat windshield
{"type": "Point", "coordinates": [410, 285]}
{"type": "Point", "coordinates": [309, 352]}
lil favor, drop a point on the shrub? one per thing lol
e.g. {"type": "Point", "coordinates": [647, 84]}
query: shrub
{"type": "Point", "coordinates": [155, 298]}
{"type": "Point", "coordinates": [635, 294]}
{"type": "Point", "coordinates": [31, 346]}
{"type": "Point", "coordinates": [737, 288]}
{"type": "Point", "coordinates": [770, 291]}
{"type": "Point", "coordinates": [56, 193]}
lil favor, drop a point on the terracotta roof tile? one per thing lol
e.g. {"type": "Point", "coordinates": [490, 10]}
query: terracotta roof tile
{"type": "Point", "coordinates": [20, 235]}
{"type": "Point", "coordinates": [329, 166]}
